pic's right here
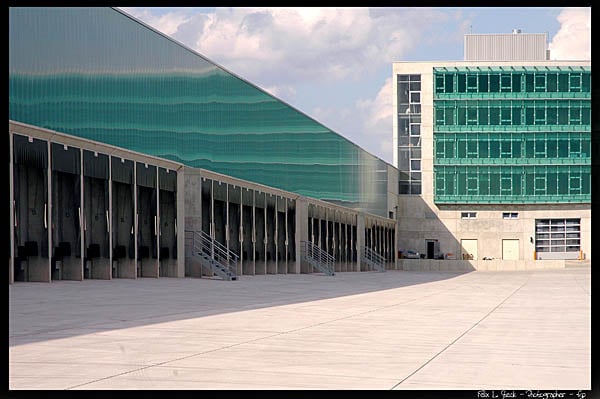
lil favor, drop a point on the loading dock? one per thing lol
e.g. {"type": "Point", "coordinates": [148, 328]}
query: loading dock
{"type": "Point", "coordinates": [66, 213]}
{"type": "Point", "coordinates": [146, 220]}
{"type": "Point", "coordinates": [30, 191]}
{"type": "Point", "coordinates": [96, 220]}
{"type": "Point", "coordinates": [123, 232]}
{"type": "Point", "coordinates": [96, 211]}
{"type": "Point", "coordinates": [167, 249]}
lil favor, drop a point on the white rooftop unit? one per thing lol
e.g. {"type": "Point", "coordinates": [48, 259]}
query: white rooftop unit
{"type": "Point", "coordinates": [515, 46]}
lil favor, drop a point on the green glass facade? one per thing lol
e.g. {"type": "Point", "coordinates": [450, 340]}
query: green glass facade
{"type": "Point", "coordinates": [99, 74]}
{"type": "Point", "coordinates": [512, 135]}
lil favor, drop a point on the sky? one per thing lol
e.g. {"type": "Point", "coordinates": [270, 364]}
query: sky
{"type": "Point", "coordinates": [335, 64]}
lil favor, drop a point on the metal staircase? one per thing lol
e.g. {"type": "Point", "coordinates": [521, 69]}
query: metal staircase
{"type": "Point", "coordinates": [373, 259]}
{"type": "Point", "coordinates": [212, 254]}
{"type": "Point", "coordinates": [318, 258]}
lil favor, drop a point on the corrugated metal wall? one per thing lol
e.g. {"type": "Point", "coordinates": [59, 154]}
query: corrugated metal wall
{"type": "Point", "coordinates": [506, 47]}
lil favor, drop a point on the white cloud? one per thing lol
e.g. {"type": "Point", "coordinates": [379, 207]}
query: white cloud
{"type": "Point", "coordinates": [368, 122]}
{"type": "Point", "coordinates": [378, 122]}
{"type": "Point", "coordinates": [573, 39]}
{"type": "Point", "coordinates": [379, 110]}
{"type": "Point", "coordinates": [283, 92]}
{"type": "Point", "coordinates": [286, 45]}
{"type": "Point", "coordinates": [167, 23]}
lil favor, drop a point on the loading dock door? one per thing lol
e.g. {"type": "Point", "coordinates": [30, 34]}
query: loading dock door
{"type": "Point", "coordinates": [510, 249]}
{"type": "Point", "coordinates": [469, 248]}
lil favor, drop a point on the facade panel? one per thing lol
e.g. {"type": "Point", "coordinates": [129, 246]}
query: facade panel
{"type": "Point", "coordinates": [512, 135]}
{"type": "Point", "coordinates": [99, 74]}
{"type": "Point", "coordinates": [515, 46]}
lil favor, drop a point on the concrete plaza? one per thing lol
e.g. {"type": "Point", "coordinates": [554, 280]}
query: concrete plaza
{"type": "Point", "coordinates": [368, 330]}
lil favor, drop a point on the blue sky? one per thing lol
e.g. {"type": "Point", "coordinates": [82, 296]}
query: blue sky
{"type": "Point", "coordinates": [335, 64]}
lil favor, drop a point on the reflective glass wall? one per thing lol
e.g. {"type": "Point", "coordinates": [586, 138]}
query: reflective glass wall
{"type": "Point", "coordinates": [99, 74]}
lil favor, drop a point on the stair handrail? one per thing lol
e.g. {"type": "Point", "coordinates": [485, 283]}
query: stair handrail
{"type": "Point", "coordinates": [319, 256]}
{"type": "Point", "coordinates": [203, 242]}
{"type": "Point", "coordinates": [375, 258]}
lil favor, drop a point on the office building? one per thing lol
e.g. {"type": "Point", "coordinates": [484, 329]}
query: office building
{"type": "Point", "coordinates": [493, 154]}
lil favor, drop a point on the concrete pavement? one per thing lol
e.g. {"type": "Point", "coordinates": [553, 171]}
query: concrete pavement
{"type": "Point", "coordinates": [378, 331]}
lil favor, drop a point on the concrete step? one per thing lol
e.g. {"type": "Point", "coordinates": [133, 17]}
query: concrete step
{"type": "Point", "coordinates": [578, 263]}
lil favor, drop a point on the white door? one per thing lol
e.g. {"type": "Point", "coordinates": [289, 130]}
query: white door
{"type": "Point", "coordinates": [469, 249]}
{"type": "Point", "coordinates": [510, 249]}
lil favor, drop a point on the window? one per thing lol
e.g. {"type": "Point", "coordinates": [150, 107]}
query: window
{"type": "Point", "coordinates": [415, 164]}
{"type": "Point", "coordinates": [505, 83]}
{"type": "Point", "coordinates": [439, 83]}
{"type": "Point", "coordinates": [468, 215]}
{"type": "Point", "coordinates": [510, 215]}
{"type": "Point", "coordinates": [540, 82]}
{"type": "Point", "coordinates": [409, 130]}
{"type": "Point", "coordinates": [471, 83]}
{"type": "Point", "coordinates": [415, 129]}
{"type": "Point", "coordinates": [415, 97]}
{"type": "Point", "coordinates": [575, 83]}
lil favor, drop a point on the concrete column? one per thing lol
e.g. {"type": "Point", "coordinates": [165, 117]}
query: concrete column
{"type": "Point", "coordinates": [276, 235]}
{"type": "Point", "coordinates": [109, 222]}
{"type": "Point", "coordinates": [286, 236]}
{"type": "Point", "coordinates": [11, 262]}
{"type": "Point", "coordinates": [395, 239]}
{"type": "Point", "coordinates": [157, 225]}
{"type": "Point", "coordinates": [241, 232]}
{"type": "Point", "coordinates": [301, 229]}
{"type": "Point", "coordinates": [135, 218]}
{"type": "Point", "coordinates": [360, 239]}
{"type": "Point", "coordinates": [253, 232]}
{"type": "Point", "coordinates": [226, 216]}
{"type": "Point", "coordinates": [189, 197]}
{"type": "Point", "coordinates": [82, 223]}
{"type": "Point", "coordinates": [181, 217]}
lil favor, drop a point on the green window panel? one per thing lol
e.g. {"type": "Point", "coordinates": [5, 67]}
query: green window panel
{"type": "Point", "coordinates": [512, 69]}
{"type": "Point", "coordinates": [520, 147]}
{"type": "Point", "coordinates": [511, 128]}
{"type": "Point", "coordinates": [512, 96]}
{"type": "Point", "coordinates": [439, 84]}
{"type": "Point", "coordinates": [552, 82]}
{"type": "Point", "coordinates": [586, 114]}
{"type": "Point", "coordinates": [563, 82]}
{"type": "Point", "coordinates": [510, 184]}
{"type": "Point", "coordinates": [461, 83]}
{"type": "Point", "coordinates": [440, 118]}
{"type": "Point", "coordinates": [494, 83]}
{"type": "Point", "coordinates": [512, 112]}
{"type": "Point", "coordinates": [472, 84]}
{"type": "Point", "coordinates": [586, 79]}
{"type": "Point", "coordinates": [514, 80]}
{"type": "Point", "coordinates": [449, 83]}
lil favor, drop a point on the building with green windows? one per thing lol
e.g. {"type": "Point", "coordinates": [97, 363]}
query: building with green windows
{"type": "Point", "coordinates": [494, 154]}
{"type": "Point", "coordinates": [128, 151]}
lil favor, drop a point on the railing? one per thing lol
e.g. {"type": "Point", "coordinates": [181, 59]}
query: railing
{"type": "Point", "coordinates": [318, 258]}
{"type": "Point", "coordinates": [374, 259]}
{"type": "Point", "coordinates": [221, 260]}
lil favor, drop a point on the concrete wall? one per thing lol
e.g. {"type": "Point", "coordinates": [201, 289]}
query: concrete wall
{"type": "Point", "coordinates": [484, 265]}
{"type": "Point", "coordinates": [420, 221]}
